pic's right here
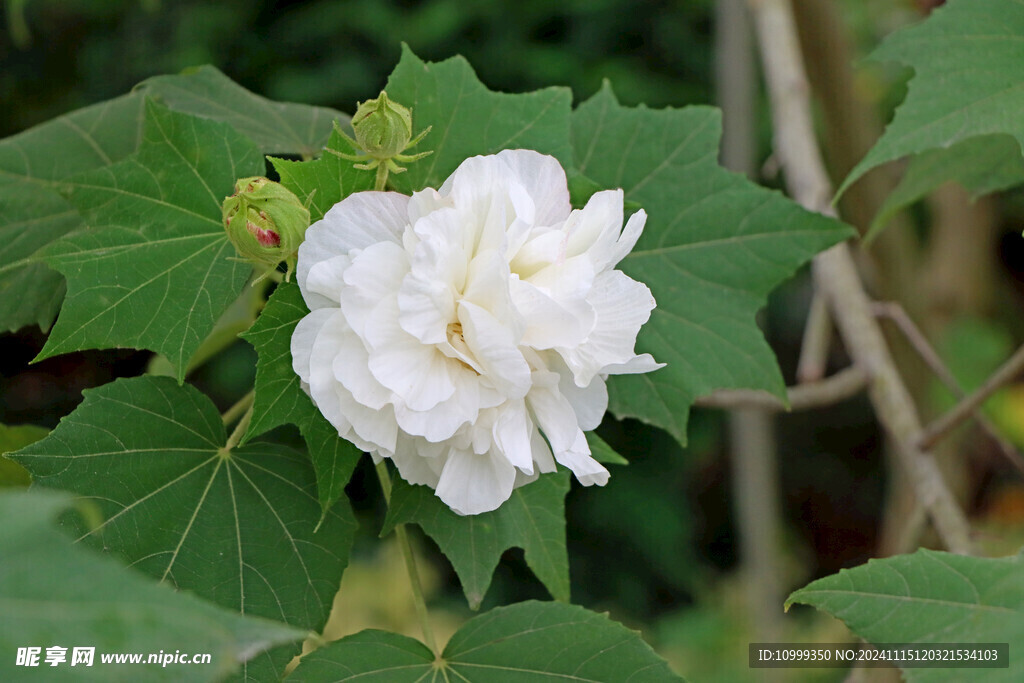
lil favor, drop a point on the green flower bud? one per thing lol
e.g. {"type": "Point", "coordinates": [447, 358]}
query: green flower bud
{"type": "Point", "coordinates": [383, 127]}
{"type": "Point", "coordinates": [383, 131]}
{"type": "Point", "coordinates": [266, 222]}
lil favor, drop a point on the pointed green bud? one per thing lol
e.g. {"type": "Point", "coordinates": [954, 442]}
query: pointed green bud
{"type": "Point", "coordinates": [383, 127]}
{"type": "Point", "coordinates": [266, 222]}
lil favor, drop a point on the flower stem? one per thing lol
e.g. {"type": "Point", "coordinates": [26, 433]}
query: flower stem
{"type": "Point", "coordinates": [382, 177]}
{"type": "Point", "coordinates": [410, 564]}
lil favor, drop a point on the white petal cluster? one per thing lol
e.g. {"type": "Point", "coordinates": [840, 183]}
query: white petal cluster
{"type": "Point", "coordinates": [466, 333]}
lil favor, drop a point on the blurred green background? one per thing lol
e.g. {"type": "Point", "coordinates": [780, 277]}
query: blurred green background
{"type": "Point", "coordinates": [658, 546]}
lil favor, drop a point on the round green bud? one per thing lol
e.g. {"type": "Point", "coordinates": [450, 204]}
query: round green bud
{"type": "Point", "coordinates": [383, 127]}
{"type": "Point", "coordinates": [266, 222]}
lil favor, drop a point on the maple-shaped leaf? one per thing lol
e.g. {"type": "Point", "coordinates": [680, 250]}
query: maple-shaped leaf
{"type": "Point", "coordinates": [968, 61]}
{"type": "Point", "coordinates": [155, 269]}
{"type": "Point", "coordinates": [526, 642]}
{"type": "Point", "coordinates": [468, 119]}
{"type": "Point", "coordinates": [533, 519]}
{"type": "Point", "coordinates": [239, 527]}
{"type": "Point", "coordinates": [714, 246]}
{"type": "Point", "coordinates": [33, 163]}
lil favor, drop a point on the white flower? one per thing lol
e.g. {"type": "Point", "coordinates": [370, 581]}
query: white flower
{"type": "Point", "coordinates": [450, 330]}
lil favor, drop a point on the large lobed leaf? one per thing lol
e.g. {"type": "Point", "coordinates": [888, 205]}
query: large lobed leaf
{"type": "Point", "coordinates": [526, 642]}
{"type": "Point", "coordinates": [468, 119]}
{"type": "Point", "coordinates": [33, 162]}
{"type": "Point", "coordinates": [930, 597]}
{"type": "Point", "coordinates": [714, 246]}
{"type": "Point", "coordinates": [276, 127]}
{"type": "Point", "coordinates": [968, 60]}
{"type": "Point", "coordinates": [155, 270]}
{"type": "Point", "coordinates": [236, 528]}
{"type": "Point", "coordinates": [53, 593]}
{"type": "Point", "coordinates": [533, 519]}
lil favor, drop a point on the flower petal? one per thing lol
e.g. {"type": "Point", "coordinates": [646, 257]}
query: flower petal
{"type": "Point", "coordinates": [589, 402]}
{"type": "Point", "coordinates": [511, 433]}
{"type": "Point", "coordinates": [416, 372]}
{"type": "Point", "coordinates": [303, 337]}
{"type": "Point", "coordinates": [471, 483]}
{"type": "Point", "coordinates": [622, 306]}
{"type": "Point", "coordinates": [578, 459]}
{"type": "Point", "coordinates": [326, 278]}
{"type": "Point", "coordinates": [356, 222]}
{"type": "Point", "coordinates": [495, 350]}
{"type": "Point", "coordinates": [593, 229]}
{"type": "Point", "coordinates": [412, 464]}
{"type": "Point", "coordinates": [351, 368]}
{"type": "Point", "coordinates": [544, 181]}
{"type": "Point", "coordinates": [376, 273]}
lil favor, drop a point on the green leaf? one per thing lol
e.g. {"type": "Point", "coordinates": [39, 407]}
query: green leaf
{"type": "Point", "coordinates": [280, 400]}
{"type": "Point", "coordinates": [53, 593]}
{"type": "Point", "coordinates": [713, 248]}
{"type": "Point", "coordinates": [529, 641]}
{"type": "Point", "coordinates": [155, 270]}
{"type": "Point", "coordinates": [236, 528]}
{"type": "Point", "coordinates": [32, 162]}
{"type": "Point", "coordinates": [324, 182]}
{"type": "Point", "coordinates": [930, 597]}
{"type": "Point", "coordinates": [277, 127]}
{"type": "Point", "coordinates": [982, 165]}
{"type": "Point", "coordinates": [34, 212]}
{"type": "Point", "coordinates": [468, 119]}
{"type": "Point", "coordinates": [11, 439]}
{"type": "Point", "coordinates": [968, 60]}
{"type": "Point", "coordinates": [602, 452]}
{"type": "Point", "coordinates": [279, 396]}
{"type": "Point", "coordinates": [532, 519]}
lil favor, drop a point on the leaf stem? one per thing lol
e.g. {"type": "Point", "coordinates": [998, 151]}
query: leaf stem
{"type": "Point", "coordinates": [239, 431]}
{"type": "Point", "coordinates": [236, 411]}
{"type": "Point", "coordinates": [410, 564]}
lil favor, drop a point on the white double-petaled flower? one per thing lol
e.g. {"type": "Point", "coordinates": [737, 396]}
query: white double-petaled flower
{"type": "Point", "coordinates": [466, 333]}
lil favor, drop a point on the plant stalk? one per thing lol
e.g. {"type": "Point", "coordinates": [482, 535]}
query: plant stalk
{"type": "Point", "coordinates": [410, 565]}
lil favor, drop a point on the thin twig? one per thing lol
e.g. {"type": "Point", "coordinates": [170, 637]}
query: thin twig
{"type": "Point", "coordinates": [826, 392]}
{"type": "Point", "coordinates": [1007, 372]}
{"type": "Point", "coordinates": [894, 312]}
{"type": "Point", "coordinates": [814, 347]}
{"type": "Point", "coordinates": [835, 275]}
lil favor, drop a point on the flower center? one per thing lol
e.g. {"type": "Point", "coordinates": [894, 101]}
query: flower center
{"type": "Point", "coordinates": [458, 342]}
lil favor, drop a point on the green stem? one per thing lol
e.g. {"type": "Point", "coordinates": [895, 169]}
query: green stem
{"type": "Point", "coordinates": [235, 411]}
{"type": "Point", "coordinates": [382, 177]}
{"type": "Point", "coordinates": [410, 564]}
{"type": "Point", "coordinates": [239, 430]}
